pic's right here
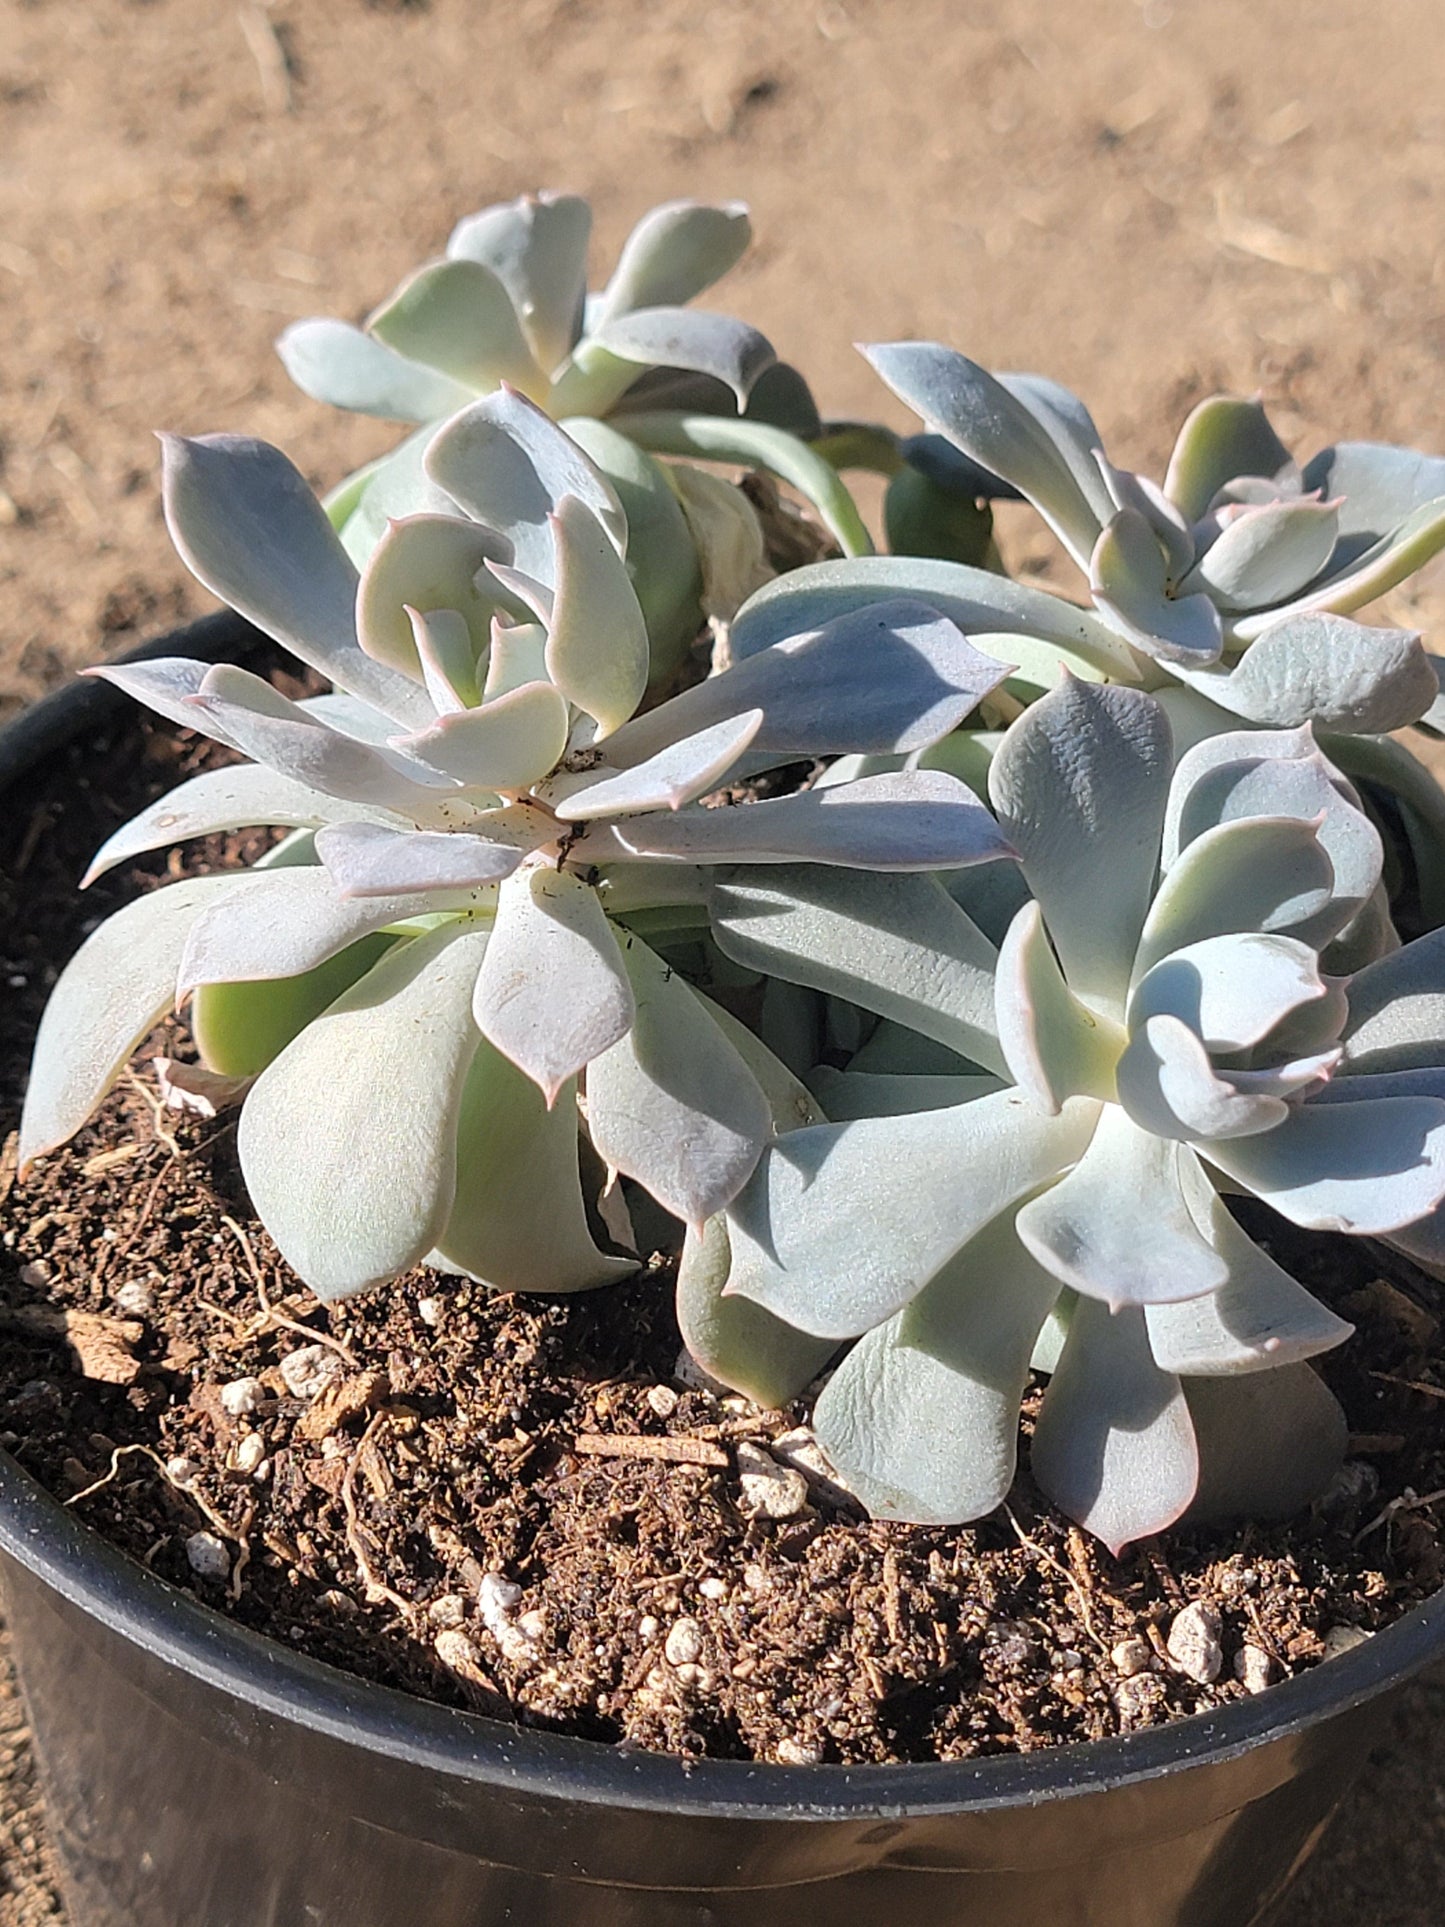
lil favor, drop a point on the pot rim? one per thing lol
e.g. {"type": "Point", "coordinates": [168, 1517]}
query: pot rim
{"type": "Point", "coordinates": [42, 1536]}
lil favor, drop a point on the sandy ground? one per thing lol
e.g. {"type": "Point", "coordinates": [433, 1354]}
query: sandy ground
{"type": "Point", "coordinates": [1146, 200]}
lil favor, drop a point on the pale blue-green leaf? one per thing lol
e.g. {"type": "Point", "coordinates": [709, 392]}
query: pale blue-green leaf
{"type": "Point", "coordinates": [1231, 991]}
{"type": "Point", "coordinates": [727, 534]}
{"type": "Point", "coordinates": [1169, 1087]}
{"type": "Point", "coordinates": [275, 731]}
{"type": "Point", "coordinates": [1325, 670]}
{"type": "Point", "coordinates": [1223, 438]}
{"type": "Point", "coordinates": [534, 599]}
{"type": "Point", "coordinates": [351, 716]}
{"type": "Point", "coordinates": [1380, 487]}
{"type": "Point", "coordinates": [890, 677]}
{"type": "Point", "coordinates": [1374, 573]}
{"type": "Point", "coordinates": [1128, 580]}
{"type": "Point", "coordinates": [290, 921]}
{"type": "Point", "coordinates": [1073, 432]}
{"type": "Point", "coordinates": [427, 562]}
{"type": "Point", "coordinates": [845, 1095]}
{"type": "Point", "coordinates": [981, 416]}
{"type": "Point", "coordinates": [597, 651]}
{"type": "Point", "coordinates": [1367, 1167]}
{"type": "Point", "coordinates": [1266, 554]}
{"type": "Point", "coordinates": [1080, 784]}
{"type": "Point", "coordinates": [365, 1103]}
{"type": "Point", "coordinates": [518, 656]}
{"type": "Point", "coordinates": [680, 771]}
{"type": "Point", "coordinates": [115, 989]}
{"type": "Point", "coordinates": [1114, 1445]}
{"type": "Point", "coordinates": [1268, 1443]}
{"type": "Point", "coordinates": [1397, 1010]}
{"type": "Point", "coordinates": [704, 344]}
{"type": "Point", "coordinates": [1146, 499]}
{"type": "Point", "coordinates": [843, 1224]}
{"type": "Point", "coordinates": [510, 465]}
{"type": "Point", "coordinates": [897, 945]}
{"type": "Point", "coordinates": [222, 799]}
{"type": "Point", "coordinates": [1120, 1227]}
{"type": "Point", "coordinates": [1417, 802]}
{"type": "Point", "coordinates": [675, 252]}
{"type": "Point", "coordinates": [1054, 1334]}
{"type": "Point", "coordinates": [1259, 874]}
{"type": "Point", "coordinates": [247, 526]}
{"type": "Point", "coordinates": [239, 1028]}
{"type": "Point", "coordinates": [1260, 1318]}
{"type": "Point", "coordinates": [448, 659]}
{"type": "Point", "coordinates": [733, 1339]}
{"type": "Point", "coordinates": [893, 1050]}
{"type": "Point", "coordinates": [672, 1104]}
{"type": "Point", "coordinates": [333, 362]}
{"type": "Point", "coordinates": [981, 603]}
{"type": "Point", "coordinates": [167, 685]}
{"type": "Point", "coordinates": [1369, 935]}
{"type": "Point", "coordinates": [921, 1418]}
{"type": "Point", "coordinates": [537, 247]}
{"type": "Point", "coordinates": [790, 1101]}
{"type": "Point", "coordinates": [508, 744]}
{"type": "Point", "coordinates": [396, 486]}
{"type": "Point", "coordinates": [1056, 1048]}
{"type": "Point", "coordinates": [456, 316]}
{"type": "Point", "coordinates": [916, 820]}
{"type": "Point", "coordinates": [370, 860]}
{"type": "Point", "coordinates": [552, 993]}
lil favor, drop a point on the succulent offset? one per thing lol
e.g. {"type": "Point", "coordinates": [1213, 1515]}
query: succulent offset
{"type": "Point", "coordinates": [1155, 1028]}
{"type": "Point", "coordinates": [418, 978]}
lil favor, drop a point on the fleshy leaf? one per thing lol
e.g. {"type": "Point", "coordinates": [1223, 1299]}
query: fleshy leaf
{"type": "Point", "coordinates": [370, 860]}
{"type": "Point", "coordinates": [1169, 1087]}
{"type": "Point", "coordinates": [849, 1094]}
{"type": "Point", "coordinates": [365, 1101]}
{"type": "Point", "coordinates": [895, 676]}
{"type": "Point", "coordinates": [111, 994]}
{"type": "Point", "coordinates": [1120, 1227]}
{"type": "Point", "coordinates": [240, 1027]}
{"type": "Point", "coordinates": [234, 798]}
{"type": "Point", "coordinates": [1265, 554]}
{"type": "Point", "coordinates": [1128, 579]}
{"type": "Point", "coordinates": [1397, 1010]}
{"type": "Point", "coordinates": [1146, 499]}
{"type": "Point", "coordinates": [167, 685]}
{"type": "Point", "coordinates": [1268, 1444]}
{"type": "Point", "coordinates": [975, 411]}
{"type": "Point", "coordinates": [552, 993]}
{"type": "Point", "coordinates": [844, 1224]}
{"type": "Point", "coordinates": [455, 315]}
{"type": "Point", "coordinates": [733, 1339]}
{"type": "Point", "coordinates": [1372, 574]}
{"type": "Point", "coordinates": [597, 651]}
{"type": "Point", "coordinates": [1368, 1167]}
{"type": "Point", "coordinates": [247, 526]}
{"type": "Point", "coordinates": [1230, 991]}
{"type": "Point", "coordinates": [1258, 1319]}
{"type": "Point", "coordinates": [508, 744]}
{"type": "Point", "coordinates": [1080, 784]}
{"type": "Point", "coordinates": [922, 1416]}
{"type": "Point", "coordinates": [333, 362]}
{"type": "Point", "coordinates": [518, 1222]}
{"type": "Point", "coordinates": [1323, 669]}
{"type": "Point", "coordinates": [675, 252]}
{"type": "Point", "coordinates": [897, 945]}
{"type": "Point", "coordinates": [427, 562]}
{"type": "Point", "coordinates": [916, 820]}
{"type": "Point", "coordinates": [1056, 1047]}
{"type": "Point", "coordinates": [509, 465]}
{"type": "Point", "coordinates": [704, 344]}
{"type": "Point", "coordinates": [672, 1104]}
{"type": "Point", "coordinates": [679, 772]}
{"type": "Point", "coordinates": [1225, 437]}
{"type": "Point", "coordinates": [1114, 1446]}
{"type": "Point", "coordinates": [537, 247]}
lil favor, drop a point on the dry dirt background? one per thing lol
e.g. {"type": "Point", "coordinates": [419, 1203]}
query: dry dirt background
{"type": "Point", "coordinates": [1147, 199]}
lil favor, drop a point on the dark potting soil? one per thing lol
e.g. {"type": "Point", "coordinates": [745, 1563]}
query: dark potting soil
{"type": "Point", "coordinates": [516, 1504]}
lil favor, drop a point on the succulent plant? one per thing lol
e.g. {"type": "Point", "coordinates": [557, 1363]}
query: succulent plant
{"type": "Point", "coordinates": [1042, 1180]}
{"type": "Point", "coordinates": [424, 977]}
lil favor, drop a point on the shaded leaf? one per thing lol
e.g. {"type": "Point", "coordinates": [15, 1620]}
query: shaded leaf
{"type": "Point", "coordinates": [537, 247]}
{"type": "Point", "coordinates": [333, 362]}
{"type": "Point", "coordinates": [456, 315]}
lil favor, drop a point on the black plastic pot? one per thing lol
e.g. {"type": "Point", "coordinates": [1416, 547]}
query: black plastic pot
{"type": "Point", "coordinates": [199, 1776]}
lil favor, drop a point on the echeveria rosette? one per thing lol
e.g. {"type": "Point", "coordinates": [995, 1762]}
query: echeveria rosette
{"type": "Point", "coordinates": [1155, 1027]}
{"type": "Point", "coordinates": [1236, 577]}
{"type": "Point", "coordinates": [427, 974]}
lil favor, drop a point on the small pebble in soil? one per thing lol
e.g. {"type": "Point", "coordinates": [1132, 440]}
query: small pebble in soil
{"type": "Point", "coordinates": [459, 1655]}
{"type": "Point", "coordinates": [1138, 1697]}
{"type": "Point", "coordinates": [208, 1556]}
{"type": "Point", "coordinates": [1354, 1486]}
{"type": "Point", "coordinates": [135, 1299]}
{"type": "Point", "coordinates": [1194, 1642]}
{"type": "Point", "coordinates": [497, 1599]}
{"type": "Point", "coordinates": [801, 1450]}
{"type": "Point", "coordinates": [663, 1400]}
{"type": "Point", "coordinates": [429, 1311]}
{"type": "Point", "coordinates": [1343, 1639]}
{"type": "Point", "coordinates": [683, 1645]}
{"type": "Point", "coordinates": [713, 1588]}
{"type": "Point", "coordinates": [798, 1753]}
{"type": "Point", "coordinates": [242, 1397]}
{"type": "Point", "coordinates": [449, 1610]}
{"type": "Point", "coordinates": [769, 1490]}
{"type": "Point", "coordinates": [1253, 1668]}
{"type": "Point", "coordinates": [180, 1470]}
{"type": "Point", "coordinates": [1132, 1656]}
{"type": "Point", "coordinates": [647, 1627]}
{"type": "Point", "coordinates": [310, 1370]}
{"type": "Point", "coordinates": [251, 1455]}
